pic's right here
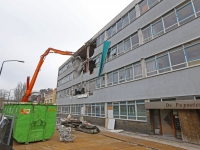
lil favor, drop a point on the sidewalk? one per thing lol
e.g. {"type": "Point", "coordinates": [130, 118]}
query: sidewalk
{"type": "Point", "coordinates": [136, 138]}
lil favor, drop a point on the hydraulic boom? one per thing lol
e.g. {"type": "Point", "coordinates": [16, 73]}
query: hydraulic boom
{"type": "Point", "coordinates": [30, 86]}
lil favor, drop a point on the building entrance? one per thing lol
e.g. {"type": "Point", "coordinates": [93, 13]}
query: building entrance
{"type": "Point", "coordinates": [166, 123]}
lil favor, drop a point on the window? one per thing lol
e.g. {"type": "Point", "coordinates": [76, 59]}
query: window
{"type": "Point", "coordinates": [119, 25]}
{"type": "Point", "coordinates": [102, 81]}
{"type": "Point", "coordinates": [102, 37]}
{"type": "Point", "coordinates": [127, 45]}
{"type": "Point", "coordinates": [114, 52]}
{"type": "Point", "coordinates": [135, 41]}
{"type": "Point", "coordinates": [185, 13]}
{"type": "Point", "coordinates": [98, 41]}
{"type": "Point", "coordinates": [110, 79]}
{"type": "Point", "coordinates": [141, 111]}
{"type": "Point", "coordinates": [109, 32]}
{"type": "Point", "coordinates": [98, 83]}
{"type": "Point", "coordinates": [158, 28]}
{"type": "Point", "coordinates": [147, 35]}
{"type": "Point", "coordinates": [97, 61]}
{"type": "Point", "coordinates": [193, 54]}
{"type": "Point", "coordinates": [125, 20]}
{"type": "Point", "coordinates": [197, 6]}
{"type": "Point", "coordinates": [116, 110]}
{"type": "Point", "coordinates": [88, 109]}
{"type": "Point", "coordinates": [137, 70]}
{"type": "Point", "coordinates": [131, 110]}
{"type": "Point", "coordinates": [129, 73]}
{"type": "Point", "coordinates": [115, 77]}
{"type": "Point", "coordinates": [97, 110]}
{"type": "Point", "coordinates": [114, 29]}
{"type": "Point", "coordinates": [102, 110]}
{"type": "Point", "coordinates": [177, 58]}
{"type": "Point", "coordinates": [121, 76]}
{"type": "Point", "coordinates": [170, 21]}
{"type": "Point", "coordinates": [151, 66]}
{"type": "Point", "coordinates": [143, 6]}
{"type": "Point", "coordinates": [132, 15]}
{"type": "Point", "coordinates": [163, 63]}
{"type": "Point", "coordinates": [123, 110]}
{"type": "Point", "coordinates": [151, 3]}
{"type": "Point", "coordinates": [109, 54]}
{"type": "Point", "coordinates": [120, 48]}
{"type": "Point", "coordinates": [93, 110]}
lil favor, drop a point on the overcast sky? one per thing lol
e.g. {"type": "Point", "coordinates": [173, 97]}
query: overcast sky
{"type": "Point", "coordinates": [29, 27]}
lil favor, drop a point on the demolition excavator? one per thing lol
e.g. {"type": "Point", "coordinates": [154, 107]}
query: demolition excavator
{"type": "Point", "coordinates": [42, 58]}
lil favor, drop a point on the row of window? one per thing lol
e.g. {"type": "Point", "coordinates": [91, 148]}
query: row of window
{"type": "Point", "coordinates": [125, 20]}
{"type": "Point", "coordinates": [64, 93]}
{"type": "Point", "coordinates": [171, 20]}
{"type": "Point", "coordinates": [168, 22]}
{"type": "Point", "coordinates": [131, 110]}
{"type": "Point", "coordinates": [74, 109]}
{"type": "Point", "coordinates": [65, 79]}
{"type": "Point", "coordinates": [176, 58]}
{"type": "Point", "coordinates": [65, 67]}
{"type": "Point", "coordinates": [97, 110]}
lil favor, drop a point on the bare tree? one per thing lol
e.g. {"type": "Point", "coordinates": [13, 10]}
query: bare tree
{"type": "Point", "coordinates": [19, 91]}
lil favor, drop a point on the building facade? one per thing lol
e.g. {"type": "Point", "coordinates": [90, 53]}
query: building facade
{"type": "Point", "coordinates": [150, 80]}
{"type": "Point", "coordinates": [50, 97]}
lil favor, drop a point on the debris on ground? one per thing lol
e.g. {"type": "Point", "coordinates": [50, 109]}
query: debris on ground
{"type": "Point", "coordinates": [87, 128]}
{"type": "Point", "coordinates": [65, 133]}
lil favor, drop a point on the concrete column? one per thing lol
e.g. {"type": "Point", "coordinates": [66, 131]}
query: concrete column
{"type": "Point", "coordinates": [137, 9]}
{"type": "Point", "coordinates": [106, 36]}
{"type": "Point", "coordinates": [87, 57]}
{"type": "Point", "coordinates": [143, 64]}
{"type": "Point", "coordinates": [106, 80]}
{"type": "Point", "coordinates": [105, 110]}
{"type": "Point", "coordinates": [140, 37]}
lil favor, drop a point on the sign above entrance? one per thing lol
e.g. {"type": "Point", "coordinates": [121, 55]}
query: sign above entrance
{"type": "Point", "coordinates": [193, 104]}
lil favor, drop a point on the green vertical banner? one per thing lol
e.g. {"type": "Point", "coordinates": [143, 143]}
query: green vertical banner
{"type": "Point", "coordinates": [106, 46]}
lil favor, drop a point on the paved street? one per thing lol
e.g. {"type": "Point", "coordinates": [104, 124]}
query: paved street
{"type": "Point", "coordinates": [103, 141]}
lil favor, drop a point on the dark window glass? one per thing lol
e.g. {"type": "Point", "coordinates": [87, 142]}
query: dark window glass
{"type": "Point", "coordinates": [102, 37]}
{"type": "Point", "coordinates": [141, 111]}
{"type": "Point", "coordinates": [114, 52]}
{"type": "Point", "coordinates": [132, 14]}
{"type": "Point", "coordinates": [129, 73]}
{"type": "Point", "coordinates": [193, 52]}
{"type": "Point", "coordinates": [177, 57]}
{"type": "Point", "coordinates": [170, 22]}
{"type": "Point", "coordinates": [151, 67]}
{"type": "Point", "coordinates": [109, 32]}
{"type": "Point", "coordinates": [98, 41]}
{"type": "Point", "coordinates": [123, 110]}
{"type": "Point", "coordinates": [119, 25]}
{"type": "Point", "coordinates": [135, 41]}
{"type": "Point", "coordinates": [185, 13]}
{"type": "Point", "coordinates": [158, 28]}
{"type": "Point", "coordinates": [125, 20]}
{"type": "Point", "coordinates": [110, 79]}
{"type": "Point", "coordinates": [116, 111]}
{"type": "Point", "coordinates": [109, 54]}
{"type": "Point", "coordinates": [115, 77]}
{"type": "Point", "coordinates": [152, 2]}
{"type": "Point", "coordinates": [137, 71]}
{"type": "Point", "coordinates": [163, 63]}
{"type": "Point", "coordinates": [121, 48]}
{"type": "Point", "coordinates": [121, 75]}
{"type": "Point", "coordinates": [102, 81]}
{"type": "Point", "coordinates": [127, 45]}
{"type": "Point", "coordinates": [143, 6]}
{"type": "Point", "coordinates": [147, 35]}
{"type": "Point", "coordinates": [197, 6]}
{"type": "Point", "coordinates": [114, 29]}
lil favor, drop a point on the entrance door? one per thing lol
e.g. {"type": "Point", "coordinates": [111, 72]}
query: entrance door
{"type": "Point", "coordinates": [157, 129]}
{"type": "Point", "coordinates": [176, 125]}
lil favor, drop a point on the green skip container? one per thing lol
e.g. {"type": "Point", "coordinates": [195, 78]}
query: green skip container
{"type": "Point", "coordinates": [33, 122]}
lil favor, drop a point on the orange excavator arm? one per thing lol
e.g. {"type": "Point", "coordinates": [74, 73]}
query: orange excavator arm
{"type": "Point", "coordinates": [30, 86]}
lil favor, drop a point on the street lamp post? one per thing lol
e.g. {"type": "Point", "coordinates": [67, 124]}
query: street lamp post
{"type": "Point", "coordinates": [7, 61]}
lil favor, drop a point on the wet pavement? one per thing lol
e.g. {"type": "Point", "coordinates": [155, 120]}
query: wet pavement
{"type": "Point", "coordinates": [103, 141]}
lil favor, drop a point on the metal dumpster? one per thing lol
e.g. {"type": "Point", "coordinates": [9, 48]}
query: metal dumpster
{"type": "Point", "coordinates": [33, 122]}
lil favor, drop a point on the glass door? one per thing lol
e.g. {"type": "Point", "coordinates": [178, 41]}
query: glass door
{"type": "Point", "coordinates": [157, 129]}
{"type": "Point", "coordinates": [176, 125]}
